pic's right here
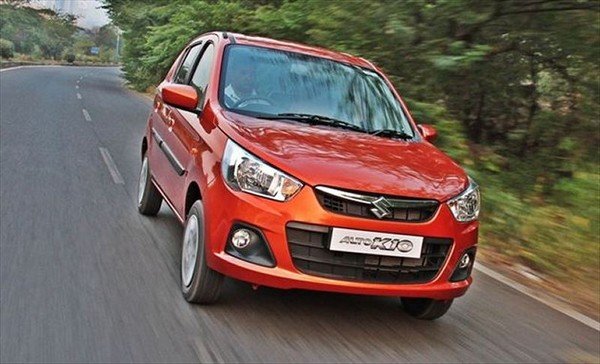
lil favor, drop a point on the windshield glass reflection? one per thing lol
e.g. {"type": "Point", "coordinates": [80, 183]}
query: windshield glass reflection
{"type": "Point", "coordinates": [267, 82]}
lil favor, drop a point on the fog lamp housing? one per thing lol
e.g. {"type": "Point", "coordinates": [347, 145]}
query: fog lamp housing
{"type": "Point", "coordinates": [248, 243]}
{"type": "Point", "coordinates": [241, 238]}
{"type": "Point", "coordinates": [465, 261]}
{"type": "Point", "coordinates": [465, 265]}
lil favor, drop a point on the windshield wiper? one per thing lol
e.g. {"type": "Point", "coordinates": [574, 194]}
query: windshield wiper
{"type": "Point", "coordinates": [314, 120]}
{"type": "Point", "coordinates": [400, 134]}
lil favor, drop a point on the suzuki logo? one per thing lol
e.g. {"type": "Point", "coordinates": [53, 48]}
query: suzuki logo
{"type": "Point", "coordinates": [381, 207]}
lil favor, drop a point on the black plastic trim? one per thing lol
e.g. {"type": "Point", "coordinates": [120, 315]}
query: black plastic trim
{"type": "Point", "coordinates": [311, 255]}
{"type": "Point", "coordinates": [262, 254]}
{"type": "Point", "coordinates": [425, 207]}
{"type": "Point", "coordinates": [462, 274]}
{"type": "Point", "coordinates": [230, 37]}
{"type": "Point", "coordinates": [175, 163]}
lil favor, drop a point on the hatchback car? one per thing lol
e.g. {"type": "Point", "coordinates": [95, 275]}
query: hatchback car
{"type": "Point", "coordinates": [297, 167]}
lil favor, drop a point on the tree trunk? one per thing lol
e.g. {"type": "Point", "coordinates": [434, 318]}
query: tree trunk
{"type": "Point", "coordinates": [478, 126]}
{"type": "Point", "coordinates": [533, 107]}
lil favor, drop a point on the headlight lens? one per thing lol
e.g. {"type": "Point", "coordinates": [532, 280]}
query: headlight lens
{"type": "Point", "coordinates": [245, 172]}
{"type": "Point", "coordinates": [465, 207]}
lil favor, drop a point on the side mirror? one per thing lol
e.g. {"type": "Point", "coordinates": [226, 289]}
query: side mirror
{"type": "Point", "coordinates": [428, 132]}
{"type": "Point", "coordinates": [181, 96]}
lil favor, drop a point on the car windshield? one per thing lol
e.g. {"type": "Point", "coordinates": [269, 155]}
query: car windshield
{"type": "Point", "coordinates": [269, 83]}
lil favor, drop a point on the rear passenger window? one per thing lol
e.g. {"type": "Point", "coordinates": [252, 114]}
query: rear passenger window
{"type": "Point", "coordinates": [202, 73]}
{"type": "Point", "coordinates": [183, 74]}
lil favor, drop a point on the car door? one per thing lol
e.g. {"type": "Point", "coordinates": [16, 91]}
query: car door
{"type": "Point", "coordinates": [168, 165]}
{"type": "Point", "coordinates": [182, 136]}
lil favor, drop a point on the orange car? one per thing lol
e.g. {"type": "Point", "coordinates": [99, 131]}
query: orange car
{"type": "Point", "coordinates": [298, 167]}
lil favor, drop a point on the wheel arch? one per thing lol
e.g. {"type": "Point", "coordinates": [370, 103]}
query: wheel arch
{"type": "Point", "coordinates": [144, 147]}
{"type": "Point", "coordinates": [192, 195]}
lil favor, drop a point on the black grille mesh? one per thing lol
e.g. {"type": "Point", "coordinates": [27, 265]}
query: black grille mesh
{"type": "Point", "coordinates": [346, 207]}
{"type": "Point", "coordinates": [311, 256]}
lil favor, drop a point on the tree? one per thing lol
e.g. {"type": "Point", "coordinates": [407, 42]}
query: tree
{"type": "Point", "coordinates": [36, 30]}
{"type": "Point", "coordinates": [7, 48]}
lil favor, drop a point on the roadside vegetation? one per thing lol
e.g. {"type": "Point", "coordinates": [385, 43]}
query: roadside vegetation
{"type": "Point", "coordinates": [35, 35]}
{"type": "Point", "coordinates": [512, 87]}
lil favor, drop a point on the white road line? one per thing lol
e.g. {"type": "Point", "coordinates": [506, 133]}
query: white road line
{"type": "Point", "coordinates": [78, 81]}
{"type": "Point", "coordinates": [10, 68]}
{"type": "Point", "coordinates": [29, 66]}
{"type": "Point", "coordinates": [86, 115]}
{"type": "Point", "coordinates": [79, 96]}
{"type": "Point", "coordinates": [112, 167]}
{"type": "Point", "coordinates": [77, 87]}
{"type": "Point", "coordinates": [588, 321]}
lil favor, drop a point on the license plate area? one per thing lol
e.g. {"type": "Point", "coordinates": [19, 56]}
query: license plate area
{"type": "Point", "coordinates": [375, 243]}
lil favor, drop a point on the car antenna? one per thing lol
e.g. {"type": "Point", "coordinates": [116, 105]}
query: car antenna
{"type": "Point", "coordinates": [227, 36]}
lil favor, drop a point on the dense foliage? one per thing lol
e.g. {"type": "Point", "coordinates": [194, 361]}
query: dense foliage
{"type": "Point", "coordinates": [36, 34]}
{"type": "Point", "coordinates": [512, 86]}
{"type": "Point", "coordinates": [7, 48]}
{"type": "Point", "coordinates": [38, 31]}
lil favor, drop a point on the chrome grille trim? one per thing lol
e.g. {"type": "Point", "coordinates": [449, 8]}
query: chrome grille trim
{"type": "Point", "coordinates": [373, 206]}
{"type": "Point", "coordinates": [369, 199]}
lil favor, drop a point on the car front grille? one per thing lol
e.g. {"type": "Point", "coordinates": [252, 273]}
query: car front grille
{"type": "Point", "coordinates": [308, 246]}
{"type": "Point", "coordinates": [409, 210]}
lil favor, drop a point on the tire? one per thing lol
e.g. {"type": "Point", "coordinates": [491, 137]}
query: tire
{"type": "Point", "coordinates": [149, 199]}
{"type": "Point", "coordinates": [426, 308]}
{"type": "Point", "coordinates": [199, 283]}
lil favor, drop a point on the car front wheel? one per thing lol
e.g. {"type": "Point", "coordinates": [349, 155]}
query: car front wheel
{"type": "Point", "coordinates": [426, 308]}
{"type": "Point", "coordinates": [199, 283]}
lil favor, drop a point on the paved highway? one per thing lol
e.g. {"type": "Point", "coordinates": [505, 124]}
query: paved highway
{"type": "Point", "coordinates": [84, 278]}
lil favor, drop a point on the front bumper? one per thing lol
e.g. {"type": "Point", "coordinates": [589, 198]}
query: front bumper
{"type": "Point", "coordinates": [226, 207]}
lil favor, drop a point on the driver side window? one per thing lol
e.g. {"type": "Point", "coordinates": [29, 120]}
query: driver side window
{"type": "Point", "coordinates": [185, 70]}
{"type": "Point", "coordinates": [201, 75]}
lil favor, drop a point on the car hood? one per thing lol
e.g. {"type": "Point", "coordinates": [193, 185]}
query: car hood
{"type": "Point", "coordinates": [326, 156]}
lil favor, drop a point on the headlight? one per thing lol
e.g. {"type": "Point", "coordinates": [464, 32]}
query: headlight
{"type": "Point", "coordinates": [243, 171]}
{"type": "Point", "coordinates": [465, 207]}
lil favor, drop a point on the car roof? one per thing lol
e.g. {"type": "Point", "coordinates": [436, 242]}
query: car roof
{"type": "Point", "coordinates": [296, 47]}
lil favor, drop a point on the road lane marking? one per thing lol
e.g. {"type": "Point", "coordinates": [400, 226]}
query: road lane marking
{"type": "Point", "coordinates": [112, 167]}
{"type": "Point", "coordinates": [79, 96]}
{"type": "Point", "coordinates": [77, 87]}
{"type": "Point", "coordinates": [552, 303]}
{"type": "Point", "coordinates": [29, 66]}
{"type": "Point", "coordinates": [10, 68]}
{"type": "Point", "coordinates": [86, 115]}
{"type": "Point", "coordinates": [78, 81]}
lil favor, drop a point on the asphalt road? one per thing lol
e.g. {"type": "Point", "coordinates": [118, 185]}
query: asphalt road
{"type": "Point", "coordinates": [84, 277]}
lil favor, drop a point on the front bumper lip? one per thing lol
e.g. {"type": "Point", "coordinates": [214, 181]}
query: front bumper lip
{"type": "Point", "coordinates": [286, 279]}
{"type": "Point", "coordinates": [271, 217]}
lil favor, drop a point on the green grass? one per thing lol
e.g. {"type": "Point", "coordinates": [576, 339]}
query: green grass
{"type": "Point", "coordinates": [557, 236]}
